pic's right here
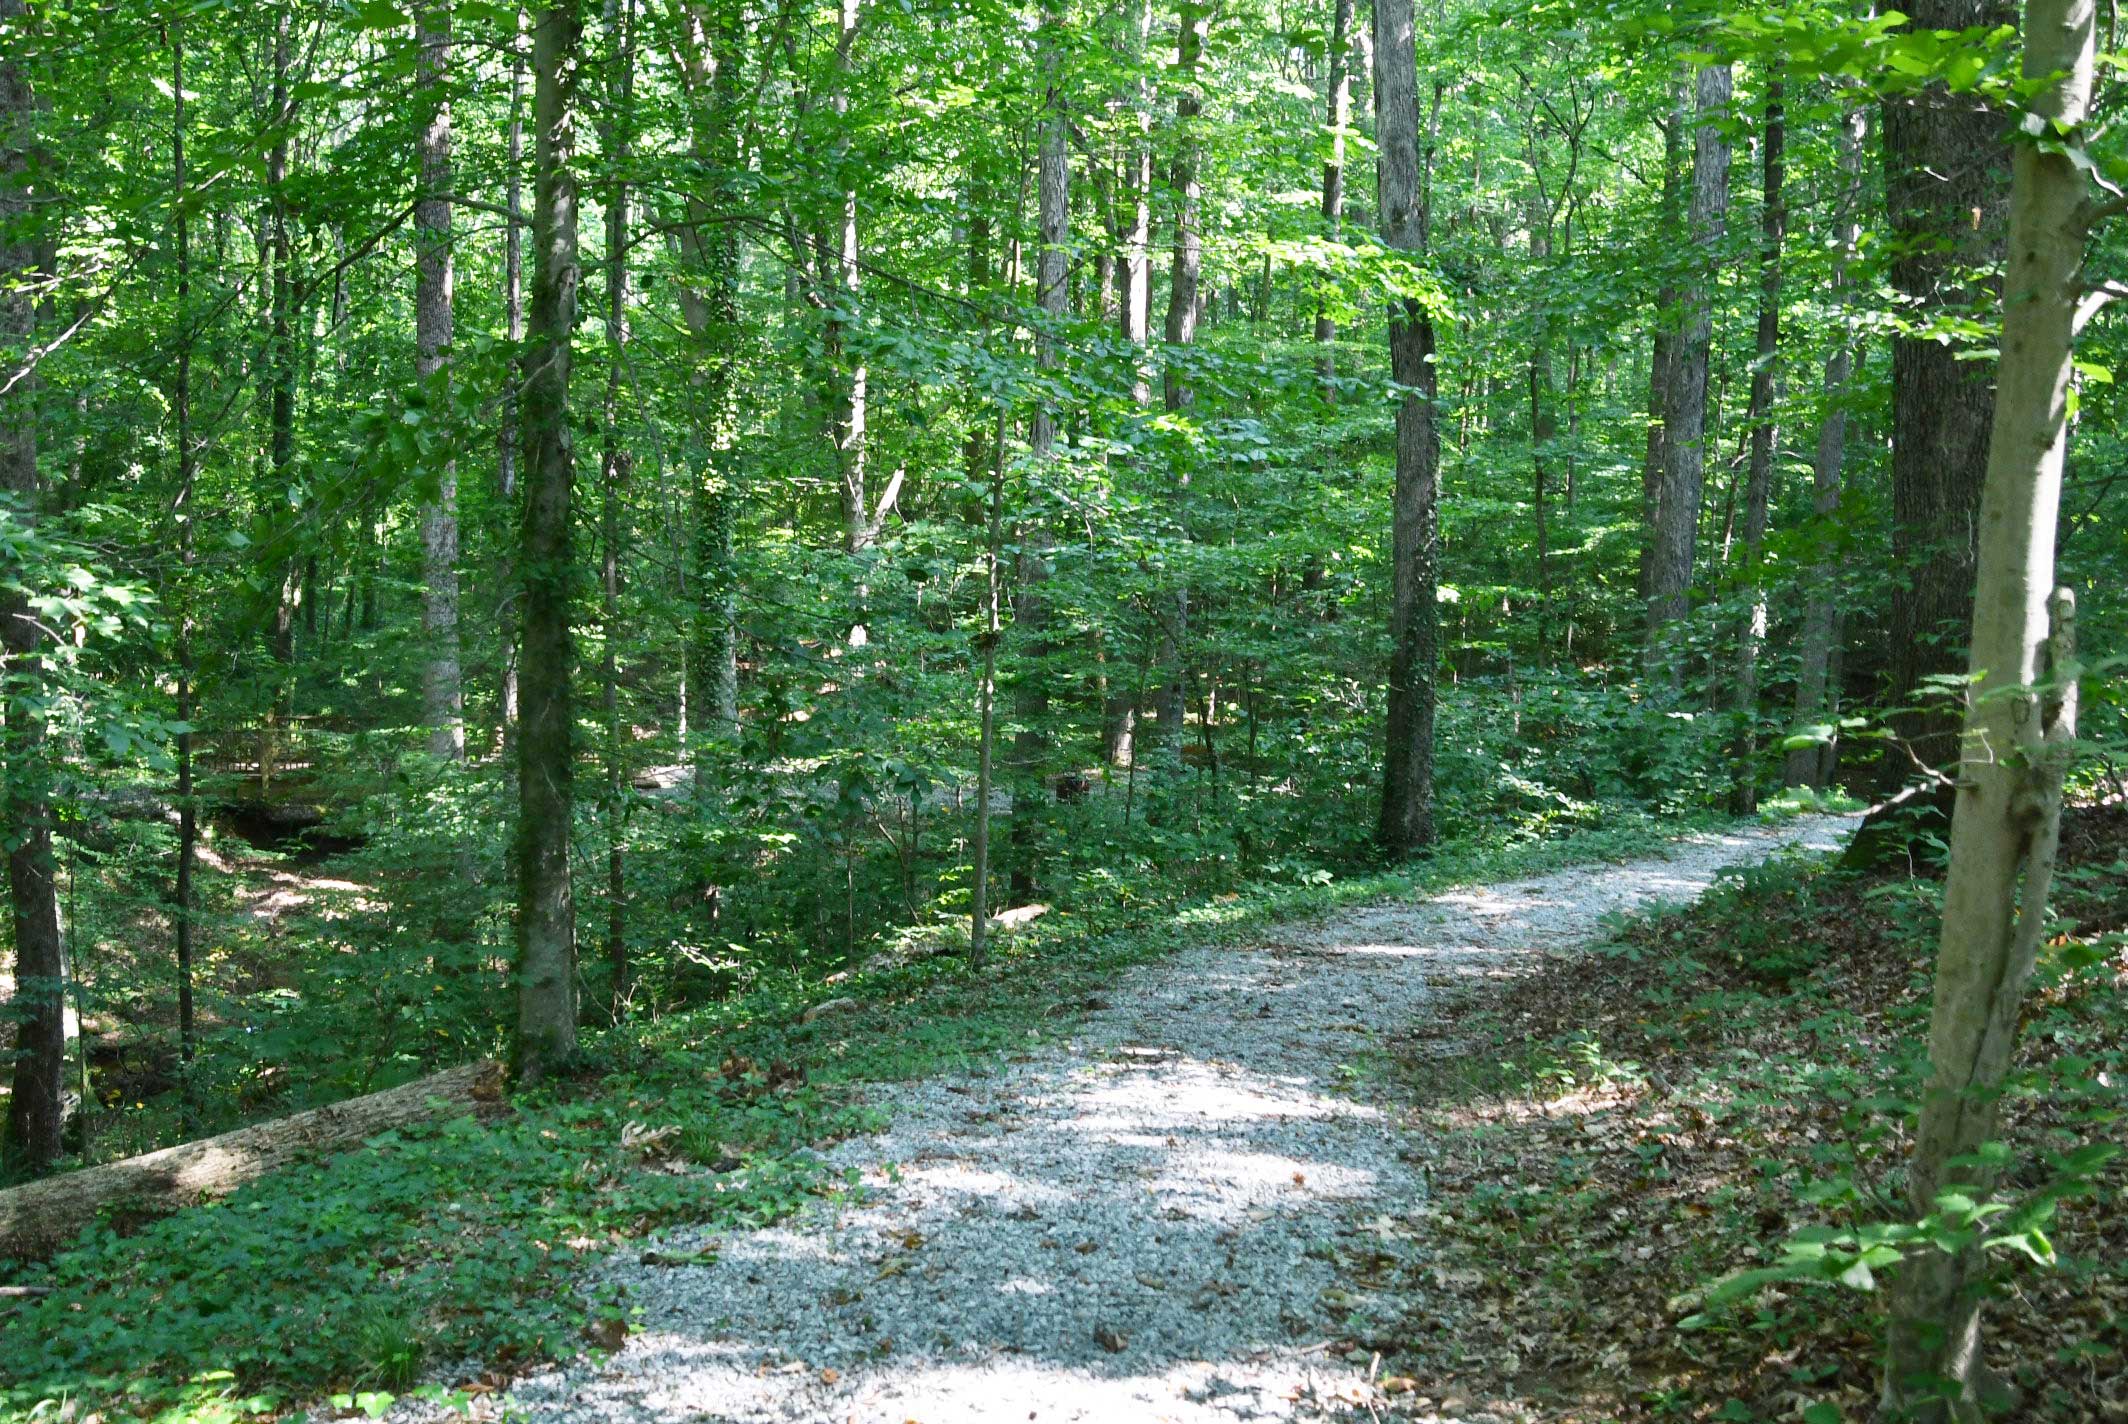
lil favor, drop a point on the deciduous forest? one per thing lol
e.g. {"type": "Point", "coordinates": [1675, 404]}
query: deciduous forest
{"type": "Point", "coordinates": [913, 709]}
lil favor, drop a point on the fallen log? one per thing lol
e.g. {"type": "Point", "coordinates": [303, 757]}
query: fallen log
{"type": "Point", "coordinates": [38, 1218]}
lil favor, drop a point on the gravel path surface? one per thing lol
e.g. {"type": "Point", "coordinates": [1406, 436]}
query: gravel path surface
{"type": "Point", "coordinates": [1142, 1224]}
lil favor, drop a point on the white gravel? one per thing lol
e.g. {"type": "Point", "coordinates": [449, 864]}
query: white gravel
{"type": "Point", "coordinates": [1139, 1225]}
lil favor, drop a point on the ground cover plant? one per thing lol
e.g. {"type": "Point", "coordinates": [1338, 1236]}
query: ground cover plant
{"type": "Point", "coordinates": [1727, 1090]}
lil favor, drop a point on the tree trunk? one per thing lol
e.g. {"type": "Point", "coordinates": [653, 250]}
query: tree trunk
{"type": "Point", "coordinates": [2017, 733]}
{"type": "Point", "coordinates": [1543, 420]}
{"type": "Point", "coordinates": [1758, 489]}
{"type": "Point", "coordinates": [849, 393]}
{"type": "Point", "coordinates": [1685, 402]}
{"type": "Point", "coordinates": [1946, 183]}
{"type": "Point", "coordinates": [1184, 308]}
{"type": "Point", "coordinates": [1662, 357]}
{"type": "Point", "coordinates": [281, 404]}
{"type": "Point", "coordinates": [1338, 106]}
{"type": "Point", "coordinates": [614, 463]}
{"type": "Point", "coordinates": [35, 1112]}
{"type": "Point", "coordinates": [183, 515]}
{"type": "Point", "coordinates": [1812, 765]}
{"type": "Point", "coordinates": [1137, 297]}
{"type": "Point", "coordinates": [513, 304]}
{"type": "Point", "coordinates": [1030, 611]}
{"type": "Point", "coordinates": [442, 696]}
{"type": "Point", "coordinates": [546, 914]}
{"type": "Point", "coordinates": [38, 1219]}
{"type": "Point", "coordinates": [1406, 823]}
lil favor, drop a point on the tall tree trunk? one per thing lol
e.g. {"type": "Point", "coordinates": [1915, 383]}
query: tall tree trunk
{"type": "Point", "coordinates": [513, 305]}
{"type": "Point", "coordinates": [1185, 274]}
{"type": "Point", "coordinates": [1812, 765]}
{"type": "Point", "coordinates": [1338, 105]}
{"type": "Point", "coordinates": [1543, 419]}
{"type": "Point", "coordinates": [1946, 185]}
{"type": "Point", "coordinates": [546, 914]}
{"type": "Point", "coordinates": [850, 381]}
{"type": "Point", "coordinates": [1685, 402]}
{"type": "Point", "coordinates": [442, 696]}
{"type": "Point", "coordinates": [35, 1112]}
{"type": "Point", "coordinates": [281, 403]}
{"type": "Point", "coordinates": [1758, 490]}
{"type": "Point", "coordinates": [614, 462]}
{"type": "Point", "coordinates": [1030, 610]}
{"type": "Point", "coordinates": [1406, 823]}
{"type": "Point", "coordinates": [184, 515]}
{"type": "Point", "coordinates": [1138, 192]}
{"type": "Point", "coordinates": [1662, 359]}
{"type": "Point", "coordinates": [708, 54]}
{"type": "Point", "coordinates": [2016, 736]}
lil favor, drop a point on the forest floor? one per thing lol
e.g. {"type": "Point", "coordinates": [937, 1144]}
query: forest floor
{"type": "Point", "coordinates": [1212, 1201]}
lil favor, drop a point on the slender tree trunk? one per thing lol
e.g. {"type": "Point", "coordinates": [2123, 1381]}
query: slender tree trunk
{"type": "Point", "coordinates": [1946, 184]}
{"type": "Point", "coordinates": [1338, 104]}
{"type": "Point", "coordinates": [986, 703]}
{"type": "Point", "coordinates": [1758, 490]}
{"type": "Point", "coordinates": [443, 697]}
{"type": "Point", "coordinates": [281, 405]}
{"type": "Point", "coordinates": [1406, 822]}
{"type": "Point", "coordinates": [513, 304]}
{"type": "Point", "coordinates": [1662, 361]}
{"type": "Point", "coordinates": [1185, 275]}
{"type": "Point", "coordinates": [614, 463]}
{"type": "Point", "coordinates": [546, 916]}
{"type": "Point", "coordinates": [1685, 402]}
{"type": "Point", "coordinates": [1030, 611]}
{"type": "Point", "coordinates": [1543, 419]}
{"type": "Point", "coordinates": [35, 1113]}
{"type": "Point", "coordinates": [1812, 765]}
{"type": "Point", "coordinates": [1138, 192]}
{"type": "Point", "coordinates": [184, 516]}
{"type": "Point", "coordinates": [848, 398]}
{"type": "Point", "coordinates": [2017, 736]}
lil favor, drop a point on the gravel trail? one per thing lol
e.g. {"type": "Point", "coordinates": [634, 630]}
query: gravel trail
{"type": "Point", "coordinates": [1144, 1223]}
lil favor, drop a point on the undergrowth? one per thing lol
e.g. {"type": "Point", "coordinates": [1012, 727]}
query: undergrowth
{"type": "Point", "coordinates": [1667, 1169]}
{"type": "Point", "coordinates": [346, 1279]}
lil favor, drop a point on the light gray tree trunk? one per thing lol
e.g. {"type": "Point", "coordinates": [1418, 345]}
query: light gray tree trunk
{"type": "Point", "coordinates": [1030, 609]}
{"type": "Point", "coordinates": [35, 1112]}
{"type": "Point", "coordinates": [849, 397]}
{"type": "Point", "coordinates": [2016, 736]}
{"type": "Point", "coordinates": [513, 307]}
{"type": "Point", "coordinates": [1137, 295]}
{"type": "Point", "coordinates": [546, 909]}
{"type": "Point", "coordinates": [442, 695]}
{"type": "Point", "coordinates": [1406, 823]}
{"type": "Point", "coordinates": [1337, 104]}
{"type": "Point", "coordinates": [1662, 357]}
{"type": "Point", "coordinates": [1758, 489]}
{"type": "Point", "coordinates": [1685, 402]}
{"type": "Point", "coordinates": [1812, 765]}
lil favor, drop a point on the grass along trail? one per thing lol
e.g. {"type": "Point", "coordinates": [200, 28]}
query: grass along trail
{"type": "Point", "coordinates": [1173, 1216]}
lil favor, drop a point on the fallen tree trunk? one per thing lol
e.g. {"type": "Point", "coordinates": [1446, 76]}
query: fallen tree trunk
{"type": "Point", "coordinates": [38, 1218]}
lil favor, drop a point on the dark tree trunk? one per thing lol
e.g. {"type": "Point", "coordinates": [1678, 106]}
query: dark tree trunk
{"type": "Point", "coordinates": [1406, 822]}
{"type": "Point", "coordinates": [1758, 489]}
{"type": "Point", "coordinates": [442, 695]}
{"type": "Point", "coordinates": [35, 1112]}
{"type": "Point", "coordinates": [1947, 183]}
{"type": "Point", "coordinates": [546, 915]}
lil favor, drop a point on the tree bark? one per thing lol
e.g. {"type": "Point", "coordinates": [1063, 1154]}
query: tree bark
{"type": "Point", "coordinates": [1662, 356]}
{"type": "Point", "coordinates": [546, 914]}
{"type": "Point", "coordinates": [1685, 402]}
{"type": "Point", "coordinates": [1946, 185]}
{"type": "Point", "coordinates": [183, 516]}
{"type": "Point", "coordinates": [614, 468]}
{"type": "Point", "coordinates": [1337, 103]}
{"type": "Point", "coordinates": [38, 1219]}
{"type": "Point", "coordinates": [1137, 296]}
{"type": "Point", "coordinates": [1758, 488]}
{"type": "Point", "coordinates": [1030, 610]}
{"type": "Point", "coordinates": [1812, 765]}
{"type": "Point", "coordinates": [35, 1114]}
{"type": "Point", "coordinates": [2017, 734]}
{"type": "Point", "coordinates": [513, 305]}
{"type": "Point", "coordinates": [442, 694]}
{"type": "Point", "coordinates": [1406, 823]}
{"type": "Point", "coordinates": [850, 381]}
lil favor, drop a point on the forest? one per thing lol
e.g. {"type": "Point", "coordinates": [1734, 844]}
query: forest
{"type": "Point", "coordinates": [675, 676]}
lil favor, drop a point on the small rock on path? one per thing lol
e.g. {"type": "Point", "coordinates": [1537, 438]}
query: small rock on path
{"type": "Point", "coordinates": [1142, 1224]}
